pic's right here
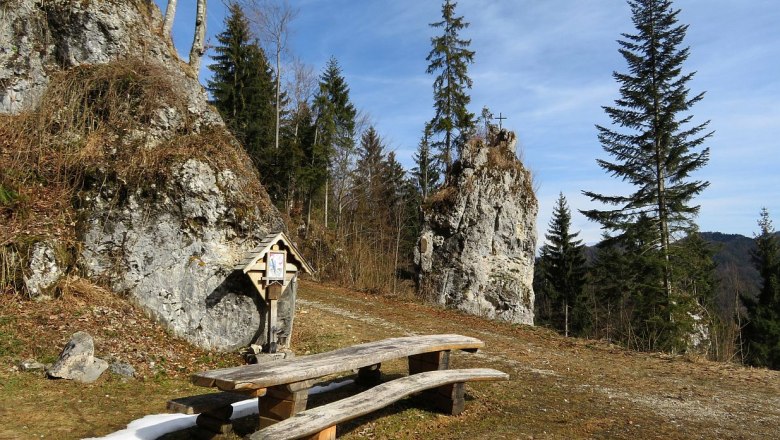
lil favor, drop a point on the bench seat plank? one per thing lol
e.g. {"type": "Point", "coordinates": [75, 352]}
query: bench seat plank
{"type": "Point", "coordinates": [204, 402]}
{"type": "Point", "coordinates": [312, 421]}
{"type": "Point", "coordinates": [287, 371]}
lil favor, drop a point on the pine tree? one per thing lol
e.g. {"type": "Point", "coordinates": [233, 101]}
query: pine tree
{"type": "Point", "coordinates": [655, 149]}
{"type": "Point", "coordinates": [762, 332]}
{"type": "Point", "coordinates": [450, 58]}
{"type": "Point", "coordinates": [563, 261]}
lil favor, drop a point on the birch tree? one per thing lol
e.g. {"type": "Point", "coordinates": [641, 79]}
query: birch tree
{"type": "Point", "coordinates": [273, 18]}
{"type": "Point", "coordinates": [198, 42]}
{"type": "Point", "coordinates": [170, 13]}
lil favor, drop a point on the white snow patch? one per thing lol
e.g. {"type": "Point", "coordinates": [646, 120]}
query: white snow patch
{"type": "Point", "coordinates": [154, 426]}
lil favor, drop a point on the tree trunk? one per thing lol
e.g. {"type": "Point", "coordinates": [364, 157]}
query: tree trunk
{"type": "Point", "coordinates": [198, 42]}
{"type": "Point", "coordinates": [327, 181]}
{"type": "Point", "coordinates": [170, 13]}
{"type": "Point", "coordinates": [399, 224]}
{"type": "Point", "coordinates": [278, 93]}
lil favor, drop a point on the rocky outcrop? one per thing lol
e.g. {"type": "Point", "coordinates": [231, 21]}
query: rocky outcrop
{"type": "Point", "coordinates": [476, 249]}
{"type": "Point", "coordinates": [165, 199]}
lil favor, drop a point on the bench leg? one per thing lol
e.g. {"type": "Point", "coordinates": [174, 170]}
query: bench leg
{"type": "Point", "coordinates": [438, 360]}
{"type": "Point", "coordinates": [448, 398]}
{"type": "Point", "coordinates": [281, 403]}
{"type": "Point", "coordinates": [369, 376]}
{"type": "Point", "coordinates": [325, 434]}
{"type": "Point", "coordinates": [215, 421]}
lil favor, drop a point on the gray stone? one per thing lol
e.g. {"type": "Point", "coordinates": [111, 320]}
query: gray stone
{"type": "Point", "coordinates": [44, 271]}
{"type": "Point", "coordinates": [476, 249]}
{"type": "Point", "coordinates": [77, 360]}
{"type": "Point", "coordinates": [123, 369]}
{"type": "Point", "coordinates": [31, 365]}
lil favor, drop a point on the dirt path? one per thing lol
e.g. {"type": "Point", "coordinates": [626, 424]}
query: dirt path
{"type": "Point", "coordinates": [559, 388]}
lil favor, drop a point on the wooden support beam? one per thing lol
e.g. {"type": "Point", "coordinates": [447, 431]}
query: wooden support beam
{"type": "Point", "coordinates": [325, 434]}
{"type": "Point", "coordinates": [213, 424]}
{"type": "Point", "coordinates": [273, 310]}
{"type": "Point", "coordinates": [449, 399]}
{"type": "Point", "coordinates": [369, 376]}
{"type": "Point", "coordinates": [438, 360]}
{"type": "Point", "coordinates": [280, 403]}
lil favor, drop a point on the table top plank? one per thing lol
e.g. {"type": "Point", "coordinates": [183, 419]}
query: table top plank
{"type": "Point", "coordinates": [286, 371]}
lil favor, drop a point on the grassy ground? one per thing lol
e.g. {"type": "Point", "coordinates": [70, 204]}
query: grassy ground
{"type": "Point", "coordinates": [559, 388]}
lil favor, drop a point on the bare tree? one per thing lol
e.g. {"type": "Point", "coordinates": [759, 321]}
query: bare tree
{"type": "Point", "coordinates": [302, 83]}
{"type": "Point", "coordinates": [273, 18]}
{"type": "Point", "coordinates": [170, 13]}
{"type": "Point", "coordinates": [198, 42]}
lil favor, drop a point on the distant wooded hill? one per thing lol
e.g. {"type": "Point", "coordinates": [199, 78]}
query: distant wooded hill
{"type": "Point", "coordinates": [735, 262]}
{"type": "Point", "coordinates": [735, 269]}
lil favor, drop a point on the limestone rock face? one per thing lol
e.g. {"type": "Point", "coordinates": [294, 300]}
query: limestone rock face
{"type": "Point", "coordinates": [41, 37]}
{"type": "Point", "coordinates": [175, 254]}
{"type": "Point", "coordinates": [476, 249]}
{"type": "Point", "coordinates": [172, 202]}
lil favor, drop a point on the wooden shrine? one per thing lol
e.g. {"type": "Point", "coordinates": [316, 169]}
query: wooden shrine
{"type": "Point", "coordinates": [272, 266]}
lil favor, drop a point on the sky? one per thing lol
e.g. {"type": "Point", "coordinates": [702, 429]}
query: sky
{"type": "Point", "coordinates": [547, 66]}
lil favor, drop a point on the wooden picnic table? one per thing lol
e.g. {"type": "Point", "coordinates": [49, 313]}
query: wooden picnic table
{"type": "Point", "coordinates": [283, 385]}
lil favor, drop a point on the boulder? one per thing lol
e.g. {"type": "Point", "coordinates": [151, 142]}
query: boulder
{"type": "Point", "coordinates": [31, 365]}
{"type": "Point", "coordinates": [77, 360]}
{"type": "Point", "coordinates": [477, 245]}
{"type": "Point", "coordinates": [121, 368]}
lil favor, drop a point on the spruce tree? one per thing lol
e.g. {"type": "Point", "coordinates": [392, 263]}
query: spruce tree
{"type": "Point", "coordinates": [449, 59]}
{"type": "Point", "coordinates": [654, 146]}
{"type": "Point", "coordinates": [563, 262]}
{"type": "Point", "coordinates": [242, 88]}
{"type": "Point", "coordinates": [335, 123]}
{"type": "Point", "coordinates": [762, 332]}
{"type": "Point", "coordinates": [425, 173]}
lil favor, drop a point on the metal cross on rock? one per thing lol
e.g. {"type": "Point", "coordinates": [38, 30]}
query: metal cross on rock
{"type": "Point", "coordinates": [500, 119]}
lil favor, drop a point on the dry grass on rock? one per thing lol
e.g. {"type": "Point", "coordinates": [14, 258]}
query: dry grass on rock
{"type": "Point", "coordinates": [121, 126]}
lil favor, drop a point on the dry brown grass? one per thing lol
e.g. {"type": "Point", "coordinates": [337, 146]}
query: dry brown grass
{"type": "Point", "coordinates": [558, 388]}
{"type": "Point", "coordinates": [98, 124]}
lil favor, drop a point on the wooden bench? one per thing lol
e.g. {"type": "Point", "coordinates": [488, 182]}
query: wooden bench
{"type": "Point", "coordinates": [284, 384]}
{"type": "Point", "coordinates": [320, 423]}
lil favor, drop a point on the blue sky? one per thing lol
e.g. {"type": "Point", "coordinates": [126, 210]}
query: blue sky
{"type": "Point", "coordinates": [547, 65]}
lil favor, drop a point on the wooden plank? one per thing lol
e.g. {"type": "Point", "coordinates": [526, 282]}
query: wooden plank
{"type": "Point", "coordinates": [273, 311]}
{"type": "Point", "coordinates": [312, 421]}
{"type": "Point", "coordinates": [317, 365]}
{"type": "Point", "coordinates": [204, 402]}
